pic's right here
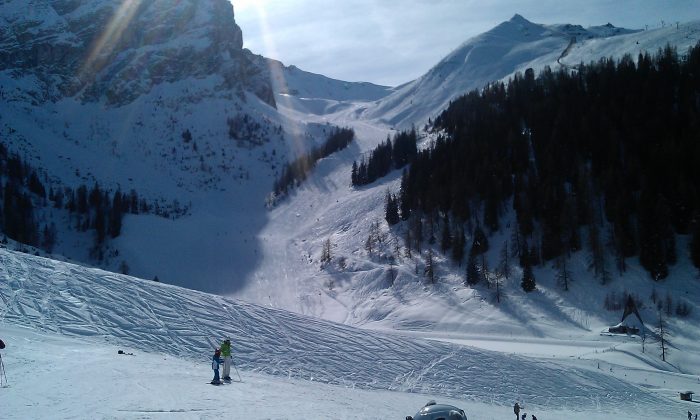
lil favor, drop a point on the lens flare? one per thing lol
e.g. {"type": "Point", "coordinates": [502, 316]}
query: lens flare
{"type": "Point", "coordinates": [104, 45]}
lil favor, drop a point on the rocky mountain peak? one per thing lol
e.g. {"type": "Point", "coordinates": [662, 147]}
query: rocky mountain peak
{"type": "Point", "coordinates": [117, 50]}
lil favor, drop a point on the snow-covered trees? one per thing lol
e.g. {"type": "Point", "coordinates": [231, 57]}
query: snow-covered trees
{"type": "Point", "coordinates": [569, 173]}
{"type": "Point", "coordinates": [326, 254]}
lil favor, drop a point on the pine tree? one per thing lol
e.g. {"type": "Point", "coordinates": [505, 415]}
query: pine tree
{"type": "Point", "coordinates": [662, 336]}
{"type": "Point", "coordinates": [563, 274]}
{"type": "Point", "coordinates": [430, 266]}
{"type": "Point", "coordinates": [472, 272]}
{"type": "Point", "coordinates": [391, 209]}
{"type": "Point", "coordinates": [528, 282]}
{"type": "Point", "coordinates": [498, 293]}
{"type": "Point", "coordinates": [326, 255]}
{"type": "Point", "coordinates": [484, 271]}
{"type": "Point", "coordinates": [446, 239]}
{"type": "Point", "coordinates": [458, 246]}
{"type": "Point", "coordinates": [407, 244]}
{"type": "Point", "coordinates": [123, 267]}
{"type": "Point", "coordinates": [480, 243]}
{"type": "Point", "coordinates": [504, 267]}
{"type": "Point", "coordinates": [404, 197]}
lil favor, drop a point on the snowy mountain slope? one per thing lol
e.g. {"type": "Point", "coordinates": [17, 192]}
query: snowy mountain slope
{"type": "Point", "coordinates": [158, 97]}
{"type": "Point", "coordinates": [326, 207]}
{"type": "Point", "coordinates": [315, 94]}
{"type": "Point", "coordinates": [514, 46]}
{"type": "Point", "coordinates": [133, 137]}
{"type": "Point", "coordinates": [358, 291]}
{"type": "Point", "coordinates": [174, 324]}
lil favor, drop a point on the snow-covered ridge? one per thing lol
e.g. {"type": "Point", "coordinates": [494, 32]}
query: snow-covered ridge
{"type": "Point", "coordinates": [58, 297]}
{"type": "Point", "coordinates": [513, 46]}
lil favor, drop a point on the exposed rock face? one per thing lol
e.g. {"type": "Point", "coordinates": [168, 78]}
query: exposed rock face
{"type": "Point", "coordinates": [117, 50]}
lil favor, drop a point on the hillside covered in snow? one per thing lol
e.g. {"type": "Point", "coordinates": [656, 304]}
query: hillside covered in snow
{"type": "Point", "coordinates": [514, 46]}
{"type": "Point", "coordinates": [64, 324]}
{"type": "Point", "coordinates": [141, 138]}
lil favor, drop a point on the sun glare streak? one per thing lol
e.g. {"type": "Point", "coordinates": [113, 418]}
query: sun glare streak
{"type": "Point", "coordinates": [277, 78]}
{"type": "Point", "coordinates": [110, 37]}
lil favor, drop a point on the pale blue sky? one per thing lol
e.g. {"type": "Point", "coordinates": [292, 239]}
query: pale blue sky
{"type": "Point", "coordinates": [394, 41]}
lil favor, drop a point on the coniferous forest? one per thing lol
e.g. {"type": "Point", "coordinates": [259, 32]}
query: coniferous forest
{"type": "Point", "coordinates": [26, 194]}
{"type": "Point", "coordinates": [602, 158]}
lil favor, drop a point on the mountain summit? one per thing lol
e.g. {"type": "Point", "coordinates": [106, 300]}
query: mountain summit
{"type": "Point", "coordinates": [511, 46]}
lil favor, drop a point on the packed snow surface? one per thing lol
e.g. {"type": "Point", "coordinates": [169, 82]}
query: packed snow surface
{"type": "Point", "coordinates": [64, 324]}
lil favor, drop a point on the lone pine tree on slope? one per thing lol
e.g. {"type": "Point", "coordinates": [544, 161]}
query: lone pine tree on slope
{"type": "Point", "coordinates": [528, 283]}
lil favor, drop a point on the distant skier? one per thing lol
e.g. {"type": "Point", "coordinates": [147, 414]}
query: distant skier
{"type": "Point", "coordinates": [2, 345]}
{"type": "Point", "coordinates": [690, 415]}
{"type": "Point", "coordinates": [226, 354]}
{"type": "Point", "coordinates": [516, 410]}
{"type": "Point", "coordinates": [524, 416]}
{"type": "Point", "coordinates": [215, 362]}
{"type": "Point", "coordinates": [534, 417]}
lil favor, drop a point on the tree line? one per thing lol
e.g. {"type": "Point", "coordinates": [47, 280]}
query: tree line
{"type": "Point", "coordinates": [391, 154]}
{"type": "Point", "coordinates": [600, 158]}
{"type": "Point", "coordinates": [295, 172]}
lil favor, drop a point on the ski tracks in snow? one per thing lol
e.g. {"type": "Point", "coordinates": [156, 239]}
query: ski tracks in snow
{"type": "Point", "coordinates": [159, 318]}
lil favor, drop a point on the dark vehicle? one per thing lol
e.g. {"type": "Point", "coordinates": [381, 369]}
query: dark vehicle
{"type": "Point", "coordinates": [434, 411]}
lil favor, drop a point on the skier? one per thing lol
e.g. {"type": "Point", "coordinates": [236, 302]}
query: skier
{"type": "Point", "coordinates": [516, 410]}
{"type": "Point", "coordinates": [215, 361]}
{"type": "Point", "coordinates": [690, 415]}
{"type": "Point", "coordinates": [2, 345]}
{"type": "Point", "coordinates": [226, 353]}
{"type": "Point", "coordinates": [534, 417]}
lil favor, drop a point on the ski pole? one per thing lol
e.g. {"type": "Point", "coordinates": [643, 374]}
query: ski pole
{"type": "Point", "coordinates": [2, 373]}
{"type": "Point", "coordinates": [234, 366]}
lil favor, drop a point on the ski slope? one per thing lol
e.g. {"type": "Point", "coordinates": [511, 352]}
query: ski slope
{"type": "Point", "coordinates": [63, 325]}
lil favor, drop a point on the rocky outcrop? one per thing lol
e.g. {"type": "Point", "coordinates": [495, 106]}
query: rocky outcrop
{"type": "Point", "coordinates": [118, 50]}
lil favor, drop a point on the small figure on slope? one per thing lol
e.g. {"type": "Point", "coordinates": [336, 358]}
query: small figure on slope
{"type": "Point", "coordinates": [516, 410]}
{"type": "Point", "coordinates": [226, 354]}
{"type": "Point", "coordinates": [215, 362]}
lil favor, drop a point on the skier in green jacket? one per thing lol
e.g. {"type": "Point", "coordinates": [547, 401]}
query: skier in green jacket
{"type": "Point", "coordinates": [226, 355]}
